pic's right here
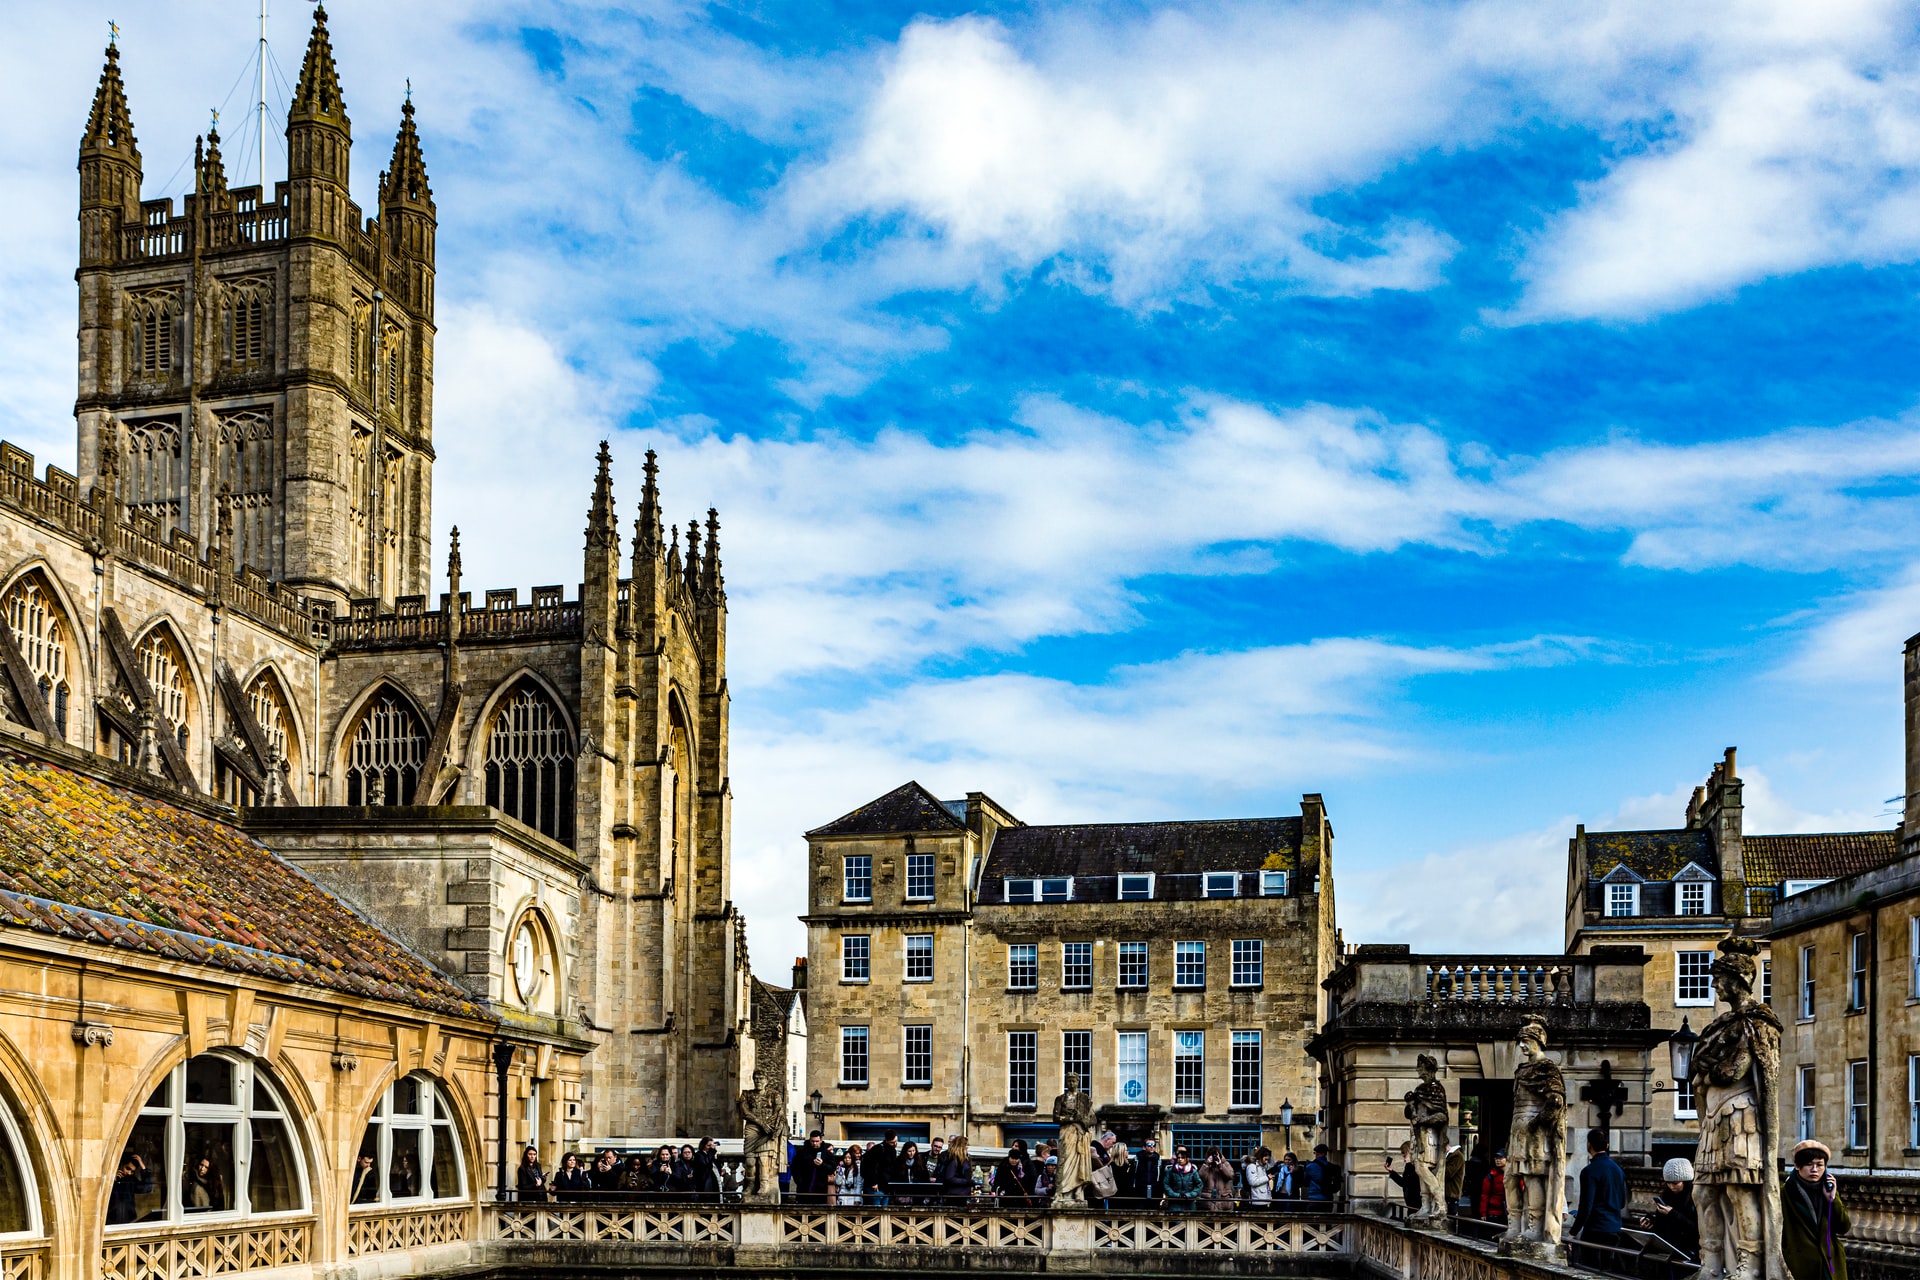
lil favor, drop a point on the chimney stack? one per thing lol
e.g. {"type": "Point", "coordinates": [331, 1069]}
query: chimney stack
{"type": "Point", "coordinates": [800, 973]}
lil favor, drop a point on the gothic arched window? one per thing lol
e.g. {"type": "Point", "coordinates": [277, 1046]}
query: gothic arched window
{"type": "Point", "coordinates": [387, 752]}
{"type": "Point", "coordinates": [530, 762]}
{"type": "Point", "coordinates": [150, 320]}
{"type": "Point", "coordinates": [150, 472]}
{"type": "Point", "coordinates": [243, 481]}
{"type": "Point", "coordinates": [244, 322]}
{"type": "Point", "coordinates": [45, 640]}
{"type": "Point", "coordinates": [165, 668]}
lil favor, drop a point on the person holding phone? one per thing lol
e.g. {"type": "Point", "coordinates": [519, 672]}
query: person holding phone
{"type": "Point", "coordinates": [1812, 1218]}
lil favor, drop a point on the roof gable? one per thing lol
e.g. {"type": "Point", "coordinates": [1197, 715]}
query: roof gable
{"type": "Point", "coordinates": [907, 808]}
{"type": "Point", "coordinates": [88, 859]}
{"type": "Point", "coordinates": [1651, 855]}
{"type": "Point", "coordinates": [1693, 871]}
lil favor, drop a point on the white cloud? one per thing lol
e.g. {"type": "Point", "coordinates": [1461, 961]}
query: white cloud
{"type": "Point", "coordinates": [1854, 639]}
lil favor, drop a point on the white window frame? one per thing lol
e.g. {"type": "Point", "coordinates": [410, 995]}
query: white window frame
{"type": "Point", "coordinates": [848, 880]}
{"type": "Point", "coordinates": [1055, 888]}
{"type": "Point", "coordinates": [29, 1186]}
{"type": "Point", "coordinates": [1029, 960]}
{"type": "Point", "coordinates": [1857, 965]}
{"type": "Point", "coordinates": [1136, 880]}
{"type": "Point", "coordinates": [1809, 1005]}
{"type": "Point", "coordinates": [1019, 889]}
{"type": "Point", "coordinates": [920, 867]}
{"type": "Point", "coordinates": [1693, 898]}
{"type": "Point", "coordinates": [1702, 962]}
{"type": "Point", "coordinates": [1622, 895]}
{"type": "Point", "coordinates": [1239, 1096]}
{"type": "Point", "coordinates": [1125, 956]}
{"type": "Point", "coordinates": [436, 1121]}
{"type": "Point", "coordinates": [1068, 950]}
{"type": "Point", "coordinates": [919, 947]}
{"type": "Point", "coordinates": [856, 949]}
{"type": "Point", "coordinates": [1068, 1058]}
{"type": "Point", "coordinates": [1220, 884]}
{"type": "Point", "coordinates": [1189, 1068]}
{"type": "Point", "coordinates": [1023, 1069]}
{"type": "Point", "coordinates": [1183, 953]}
{"type": "Point", "coordinates": [1913, 1101]}
{"type": "Point", "coordinates": [1859, 1110]}
{"type": "Point", "coordinates": [851, 1072]}
{"type": "Point", "coordinates": [1766, 980]}
{"type": "Point", "coordinates": [1806, 1095]}
{"type": "Point", "coordinates": [1249, 963]}
{"type": "Point", "coordinates": [240, 1114]}
{"type": "Point", "coordinates": [1913, 957]}
{"type": "Point", "coordinates": [916, 1066]}
{"type": "Point", "coordinates": [1273, 884]}
{"type": "Point", "coordinates": [1130, 1066]}
{"type": "Point", "coordinates": [1792, 887]}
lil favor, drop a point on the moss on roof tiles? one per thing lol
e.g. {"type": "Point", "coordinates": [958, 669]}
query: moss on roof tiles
{"type": "Point", "coordinates": [1771, 860]}
{"type": "Point", "coordinates": [1654, 855]}
{"type": "Point", "coordinates": [84, 859]}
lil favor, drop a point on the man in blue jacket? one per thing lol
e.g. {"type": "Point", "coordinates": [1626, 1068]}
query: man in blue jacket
{"type": "Point", "coordinates": [1603, 1198]}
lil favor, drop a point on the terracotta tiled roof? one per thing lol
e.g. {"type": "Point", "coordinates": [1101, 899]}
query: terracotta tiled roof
{"type": "Point", "coordinates": [905, 808]}
{"type": "Point", "coordinates": [1772, 860]}
{"type": "Point", "coordinates": [1655, 855]}
{"type": "Point", "coordinates": [86, 859]}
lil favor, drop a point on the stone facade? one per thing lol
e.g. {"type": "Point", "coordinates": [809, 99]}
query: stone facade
{"type": "Point", "coordinates": [974, 1001]}
{"type": "Point", "coordinates": [230, 593]}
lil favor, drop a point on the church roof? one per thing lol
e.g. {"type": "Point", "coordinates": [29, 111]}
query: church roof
{"type": "Point", "coordinates": [1652, 855]}
{"type": "Point", "coordinates": [1773, 860]}
{"type": "Point", "coordinates": [1167, 849]}
{"type": "Point", "coordinates": [905, 808]}
{"type": "Point", "coordinates": [95, 861]}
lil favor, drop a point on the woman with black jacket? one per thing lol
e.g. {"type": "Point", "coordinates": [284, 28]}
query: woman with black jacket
{"type": "Point", "coordinates": [956, 1173]}
{"type": "Point", "coordinates": [531, 1179]}
{"type": "Point", "coordinates": [703, 1176]}
{"type": "Point", "coordinates": [660, 1171]}
{"type": "Point", "coordinates": [573, 1178]}
{"type": "Point", "coordinates": [913, 1169]}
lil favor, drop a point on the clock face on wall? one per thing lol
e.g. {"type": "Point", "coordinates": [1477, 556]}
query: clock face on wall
{"type": "Point", "coordinates": [526, 963]}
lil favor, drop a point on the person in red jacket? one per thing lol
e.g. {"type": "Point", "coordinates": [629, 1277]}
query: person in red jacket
{"type": "Point", "coordinates": [1493, 1190]}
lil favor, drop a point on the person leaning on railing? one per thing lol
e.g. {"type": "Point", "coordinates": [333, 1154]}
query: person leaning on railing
{"type": "Point", "coordinates": [573, 1180]}
{"type": "Point", "coordinates": [955, 1174]}
{"type": "Point", "coordinates": [1183, 1182]}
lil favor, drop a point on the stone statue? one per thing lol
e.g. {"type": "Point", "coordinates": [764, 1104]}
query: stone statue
{"type": "Point", "coordinates": [1736, 1085]}
{"type": "Point", "coordinates": [1073, 1112]}
{"type": "Point", "coordinates": [1426, 1111]}
{"type": "Point", "coordinates": [763, 1132]}
{"type": "Point", "coordinates": [1537, 1151]}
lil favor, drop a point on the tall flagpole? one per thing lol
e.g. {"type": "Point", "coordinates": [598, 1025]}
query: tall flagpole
{"type": "Point", "coordinates": [263, 102]}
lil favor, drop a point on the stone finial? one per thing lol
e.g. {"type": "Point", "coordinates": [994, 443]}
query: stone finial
{"type": "Point", "coordinates": [405, 181]}
{"type": "Point", "coordinates": [602, 525]}
{"type": "Point", "coordinates": [648, 536]}
{"type": "Point", "coordinates": [712, 584]}
{"type": "Point", "coordinates": [453, 568]}
{"type": "Point", "coordinates": [209, 171]}
{"type": "Point", "coordinates": [110, 123]}
{"type": "Point", "coordinates": [693, 555]}
{"type": "Point", "coordinates": [317, 97]}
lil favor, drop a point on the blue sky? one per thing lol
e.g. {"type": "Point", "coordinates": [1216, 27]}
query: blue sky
{"type": "Point", "coordinates": [1482, 414]}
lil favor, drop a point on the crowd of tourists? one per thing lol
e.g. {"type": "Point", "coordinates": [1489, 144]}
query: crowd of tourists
{"type": "Point", "coordinates": [891, 1171]}
{"type": "Point", "coordinates": [693, 1173]}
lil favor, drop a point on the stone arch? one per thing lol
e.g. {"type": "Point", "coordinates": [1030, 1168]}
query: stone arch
{"type": "Point", "coordinates": [42, 1145]}
{"type": "Point", "coordinates": [162, 632]}
{"type": "Point", "coordinates": [681, 776]}
{"type": "Point", "coordinates": [398, 763]}
{"type": "Point", "coordinates": [35, 577]}
{"type": "Point", "coordinates": [548, 995]}
{"type": "Point", "coordinates": [449, 1109]}
{"type": "Point", "coordinates": [521, 756]}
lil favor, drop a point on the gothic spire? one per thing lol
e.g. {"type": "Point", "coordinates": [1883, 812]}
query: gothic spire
{"type": "Point", "coordinates": [712, 584]}
{"type": "Point", "coordinates": [210, 174]}
{"type": "Point", "coordinates": [317, 97]}
{"type": "Point", "coordinates": [693, 555]}
{"type": "Point", "coordinates": [647, 534]}
{"type": "Point", "coordinates": [110, 123]}
{"type": "Point", "coordinates": [673, 549]}
{"type": "Point", "coordinates": [453, 568]}
{"type": "Point", "coordinates": [405, 181]}
{"type": "Point", "coordinates": [603, 528]}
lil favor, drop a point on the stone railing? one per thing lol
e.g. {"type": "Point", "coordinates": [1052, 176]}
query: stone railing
{"type": "Point", "coordinates": [23, 1262]}
{"type": "Point", "coordinates": [408, 626]}
{"type": "Point", "coordinates": [162, 233]}
{"type": "Point", "coordinates": [194, 1249]}
{"type": "Point", "coordinates": [1380, 986]}
{"type": "Point", "coordinates": [1513, 981]}
{"type": "Point", "coordinates": [389, 1230]}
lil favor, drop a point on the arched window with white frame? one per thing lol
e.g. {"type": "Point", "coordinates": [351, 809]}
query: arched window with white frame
{"type": "Point", "coordinates": [213, 1140]}
{"type": "Point", "coordinates": [19, 1191]}
{"type": "Point", "coordinates": [410, 1152]}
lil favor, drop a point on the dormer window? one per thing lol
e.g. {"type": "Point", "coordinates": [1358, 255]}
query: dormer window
{"type": "Point", "coordinates": [1056, 889]}
{"type": "Point", "coordinates": [1273, 884]}
{"type": "Point", "coordinates": [1220, 884]}
{"type": "Point", "coordinates": [1693, 898]}
{"type": "Point", "coordinates": [1623, 900]}
{"type": "Point", "coordinates": [1019, 890]}
{"type": "Point", "coordinates": [1136, 888]}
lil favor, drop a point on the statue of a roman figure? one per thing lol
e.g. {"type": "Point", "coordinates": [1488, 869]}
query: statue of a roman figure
{"type": "Point", "coordinates": [1735, 1075]}
{"type": "Point", "coordinates": [1536, 1150]}
{"type": "Point", "coordinates": [1073, 1112]}
{"type": "Point", "coordinates": [1426, 1112]}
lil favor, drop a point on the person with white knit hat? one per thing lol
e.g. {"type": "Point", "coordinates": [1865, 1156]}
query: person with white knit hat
{"type": "Point", "coordinates": [1674, 1219]}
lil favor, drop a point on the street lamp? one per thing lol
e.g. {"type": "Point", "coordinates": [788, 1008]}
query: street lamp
{"type": "Point", "coordinates": [817, 1108]}
{"type": "Point", "coordinates": [1680, 1047]}
{"type": "Point", "coordinates": [1286, 1122]}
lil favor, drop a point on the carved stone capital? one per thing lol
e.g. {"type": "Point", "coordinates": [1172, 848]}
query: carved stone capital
{"type": "Point", "coordinates": [344, 1061]}
{"type": "Point", "coordinates": [89, 1034]}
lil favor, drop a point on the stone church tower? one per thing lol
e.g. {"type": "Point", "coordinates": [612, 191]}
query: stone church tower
{"type": "Point", "coordinates": [231, 592]}
{"type": "Point", "coordinates": [268, 362]}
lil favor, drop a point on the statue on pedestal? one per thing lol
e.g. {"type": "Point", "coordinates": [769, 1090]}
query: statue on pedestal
{"type": "Point", "coordinates": [1735, 1075]}
{"type": "Point", "coordinates": [1073, 1112]}
{"type": "Point", "coordinates": [763, 1132]}
{"type": "Point", "coordinates": [1536, 1150]}
{"type": "Point", "coordinates": [1426, 1112]}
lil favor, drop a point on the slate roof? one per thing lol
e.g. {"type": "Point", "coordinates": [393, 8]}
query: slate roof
{"type": "Point", "coordinates": [905, 808]}
{"type": "Point", "coordinates": [1176, 852]}
{"type": "Point", "coordinates": [1773, 860]}
{"type": "Point", "coordinates": [1655, 855]}
{"type": "Point", "coordinates": [86, 859]}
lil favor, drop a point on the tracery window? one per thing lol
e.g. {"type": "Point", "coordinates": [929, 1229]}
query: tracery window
{"type": "Point", "coordinates": [150, 471]}
{"type": "Point", "coordinates": [530, 762]}
{"type": "Point", "coordinates": [244, 320]}
{"type": "Point", "coordinates": [359, 359]}
{"type": "Point", "coordinates": [212, 1140]}
{"type": "Point", "coordinates": [41, 631]}
{"type": "Point", "coordinates": [165, 669]}
{"type": "Point", "coordinates": [394, 343]}
{"type": "Point", "coordinates": [243, 481]}
{"type": "Point", "coordinates": [269, 710]}
{"type": "Point", "coordinates": [410, 1151]}
{"type": "Point", "coordinates": [150, 320]}
{"type": "Point", "coordinates": [387, 753]}
{"type": "Point", "coordinates": [359, 501]}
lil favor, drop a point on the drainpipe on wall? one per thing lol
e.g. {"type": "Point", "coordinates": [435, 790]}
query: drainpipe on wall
{"type": "Point", "coordinates": [502, 1060]}
{"type": "Point", "coordinates": [1873, 1040]}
